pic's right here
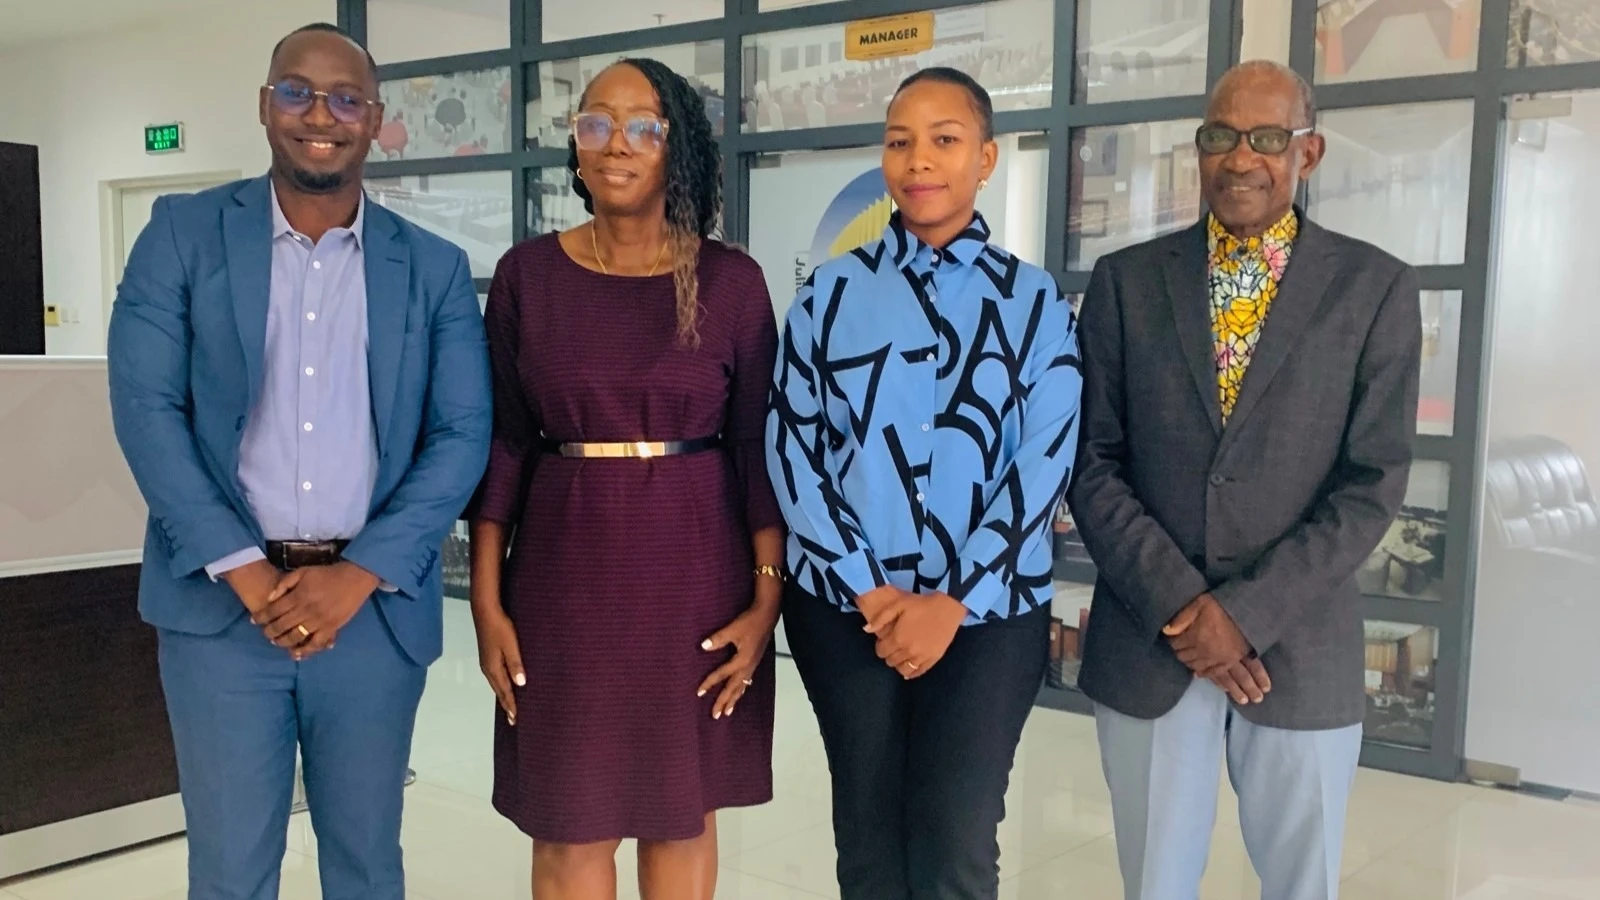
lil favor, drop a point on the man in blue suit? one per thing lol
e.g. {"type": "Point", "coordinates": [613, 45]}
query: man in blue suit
{"type": "Point", "coordinates": [300, 383]}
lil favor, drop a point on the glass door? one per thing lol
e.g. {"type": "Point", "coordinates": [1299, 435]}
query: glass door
{"type": "Point", "coordinates": [1539, 531]}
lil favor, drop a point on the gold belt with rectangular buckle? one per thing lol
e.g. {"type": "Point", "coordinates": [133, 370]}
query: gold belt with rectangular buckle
{"type": "Point", "coordinates": [628, 449]}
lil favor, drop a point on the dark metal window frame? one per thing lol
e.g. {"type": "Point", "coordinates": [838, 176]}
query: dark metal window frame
{"type": "Point", "coordinates": [743, 18]}
{"type": "Point", "coordinates": [1487, 87]}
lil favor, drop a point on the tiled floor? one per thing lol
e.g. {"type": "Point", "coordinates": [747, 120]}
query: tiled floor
{"type": "Point", "coordinates": [1409, 839]}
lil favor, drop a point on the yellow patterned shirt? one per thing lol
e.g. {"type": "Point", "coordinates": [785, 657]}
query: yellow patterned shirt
{"type": "Point", "coordinates": [1244, 279]}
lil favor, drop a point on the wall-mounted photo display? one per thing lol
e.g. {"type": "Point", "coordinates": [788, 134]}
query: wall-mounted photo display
{"type": "Point", "coordinates": [1127, 184]}
{"type": "Point", "coordinates": [1069, 622]}
{"type": "Point", "coordinates": [1074, 586]}
{"type": "Point", "coordinates": [1401, 663]}
{"type": "Point", "coordinates": [455, 563]}
{"type": "Point", "coordinates": [1397, 176]}
{"type": "Point", "coordinates": [552, 203]}
{"type": "Point", "coordinates": [469, 209]}
{"type": "Point", "coordinates": [790, 83]}
{"type": "Point", "coordinates": [1441, 344]}
{"type": "Point", "coordinates": [555, 87]}
{"type": "Point", "coordinates": [1409, 561]}
{"type": "Point", "coordinates": [1140, 49]}
{"type": "Point", "coordinates": [433, 116]}
{"type": "Point", "coordinates": [1552, 33]}
{"type": "Point", "coordinates": [1369, 40]}
{"type": "Point", "coordinates": [1069, 548]}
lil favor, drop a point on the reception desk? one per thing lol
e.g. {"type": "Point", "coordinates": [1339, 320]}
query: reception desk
{"type": "Point", "coordinates": [86, 758]}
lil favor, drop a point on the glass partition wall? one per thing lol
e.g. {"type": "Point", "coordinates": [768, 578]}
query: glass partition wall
{"type": "Point", "coordinates": [1096, 104]}
{"type": "Point", "coordinates": [1426, 107]}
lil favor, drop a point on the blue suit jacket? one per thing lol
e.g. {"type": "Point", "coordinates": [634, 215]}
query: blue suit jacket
{"type": "Point", "coordinates": [187, 337]}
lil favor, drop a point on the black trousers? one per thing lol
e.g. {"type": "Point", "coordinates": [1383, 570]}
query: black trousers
{"type": "Point", "coordinates": [919, 767]}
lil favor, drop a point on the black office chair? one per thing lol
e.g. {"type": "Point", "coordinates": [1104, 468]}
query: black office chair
{"type": "Point", "coordinates": [1542, 522]}
{"type": "Point", "coordinates": [1535, 611]}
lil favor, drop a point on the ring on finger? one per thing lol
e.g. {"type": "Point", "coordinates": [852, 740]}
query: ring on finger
{"type": "Point", "coordinates": [749, 681]}
{"type": "Point", "coordinates": [912, 666]}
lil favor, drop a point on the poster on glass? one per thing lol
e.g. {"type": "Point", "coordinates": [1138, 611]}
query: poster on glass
{"type": "Point", "coordinates": [1074, 590]}
{"type": "Point", "coordinates": [1400, 661]}
{"type": "Point", "coordinates": [1409, 562]}
{"type": "Point", "coordinates": [455, 563]}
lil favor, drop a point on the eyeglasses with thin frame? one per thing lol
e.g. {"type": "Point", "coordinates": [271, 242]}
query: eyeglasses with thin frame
{"type": "Point", "coordinates": [1268, 140]}
{"type": "Point", "coordinates": [295, 98]}
{"type": "Point", "coordinates": [644, 134]}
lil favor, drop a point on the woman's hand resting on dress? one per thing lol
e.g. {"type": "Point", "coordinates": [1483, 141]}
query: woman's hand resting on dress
{"type": "Point", "coordinates": [499, 657]}
{"type": "Point", "coordinates": [749, 636]}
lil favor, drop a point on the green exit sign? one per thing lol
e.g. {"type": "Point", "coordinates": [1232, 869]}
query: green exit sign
{"type": "Point", "coordinates": [163, 138]}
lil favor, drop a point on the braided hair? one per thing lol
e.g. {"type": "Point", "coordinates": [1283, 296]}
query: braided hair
{"type": "Point", "coordinates": [694, 184]}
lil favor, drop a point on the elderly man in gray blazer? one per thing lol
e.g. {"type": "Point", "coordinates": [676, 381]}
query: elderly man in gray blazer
{"type": "Point", "coordinates": [1249, 408]}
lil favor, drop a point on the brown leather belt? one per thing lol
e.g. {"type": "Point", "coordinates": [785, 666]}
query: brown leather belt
{"type": "Point", "coordinates": [290, 555]}
{"type": "Point", "coordinates": [629, 449]}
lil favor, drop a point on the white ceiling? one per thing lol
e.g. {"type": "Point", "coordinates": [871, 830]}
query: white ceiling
{"type": "Point", "coordinates": [32, 21]}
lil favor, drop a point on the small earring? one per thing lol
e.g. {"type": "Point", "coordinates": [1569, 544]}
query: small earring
{"type": "Point", "coordinates": [983, 184]}
{"type": "Point", "coordinates": [580, 173]}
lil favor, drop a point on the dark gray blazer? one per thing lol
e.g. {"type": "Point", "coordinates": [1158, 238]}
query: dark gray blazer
{"type": "Point", "coordinates": [1274, 513]}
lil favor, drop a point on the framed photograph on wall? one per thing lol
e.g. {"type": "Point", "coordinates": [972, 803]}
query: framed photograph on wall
{"type": "Point", "coordinates": [1093, 216]}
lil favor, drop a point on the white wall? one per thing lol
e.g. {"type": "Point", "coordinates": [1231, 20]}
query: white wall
{"type": "Point", "coordinates": [86, 103]}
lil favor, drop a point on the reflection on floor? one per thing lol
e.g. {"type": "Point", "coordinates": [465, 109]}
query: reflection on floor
{"type": "Point", "coordinates": [1409, 839]}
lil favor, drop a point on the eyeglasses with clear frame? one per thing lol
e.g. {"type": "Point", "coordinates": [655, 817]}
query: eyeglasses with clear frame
{"type": "Point", "coordinates": [295, 98]}
{"type": "Point", "coordinates": [644, 134]}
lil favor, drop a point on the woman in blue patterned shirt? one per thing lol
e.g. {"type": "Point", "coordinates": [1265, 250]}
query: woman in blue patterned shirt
{"type": "Point", "coordinates": [923, 429]}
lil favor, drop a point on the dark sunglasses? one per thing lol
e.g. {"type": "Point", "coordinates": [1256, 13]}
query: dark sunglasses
{"type": "Point", "coordinates": [295, 99]}
{"type": "Point", "coordinates": [593, 130]}
{"type": "Point", "coordinates": [1268, 140]}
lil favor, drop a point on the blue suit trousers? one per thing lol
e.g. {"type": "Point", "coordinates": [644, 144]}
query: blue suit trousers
{"type": "Point", "coordinates": [241, 708]}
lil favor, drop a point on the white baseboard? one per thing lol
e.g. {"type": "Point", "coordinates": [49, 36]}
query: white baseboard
{"type": "Point", "coordinates": [91, 835]}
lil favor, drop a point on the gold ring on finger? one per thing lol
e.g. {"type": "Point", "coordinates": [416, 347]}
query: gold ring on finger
{"type": "Point", "coordinates": [749, 681]}
{"type": "Point", "coordinates": [303, 632]}
{"type": "Point", "coordinates": [912, 666]}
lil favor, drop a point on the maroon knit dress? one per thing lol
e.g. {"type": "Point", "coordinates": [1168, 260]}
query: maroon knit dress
{"type": "Point", "coordinates": [620, 568]}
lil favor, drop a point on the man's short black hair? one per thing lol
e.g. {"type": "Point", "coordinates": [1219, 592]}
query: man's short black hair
{"type": "Point", "coordinates": [372, 64]}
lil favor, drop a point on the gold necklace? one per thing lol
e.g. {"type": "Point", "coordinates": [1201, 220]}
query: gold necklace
{"type": "Point", "coordinates": [594, 242]}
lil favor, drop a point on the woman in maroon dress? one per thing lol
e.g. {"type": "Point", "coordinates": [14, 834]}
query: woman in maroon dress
{"type": "Point", "coordinates": [633, 615]}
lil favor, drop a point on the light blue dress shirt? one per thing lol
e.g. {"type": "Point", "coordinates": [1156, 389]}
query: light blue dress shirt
{"type": "Point", "coordinates": [309, 456]}
{"type": "Point", "coordinates": [924, 423]}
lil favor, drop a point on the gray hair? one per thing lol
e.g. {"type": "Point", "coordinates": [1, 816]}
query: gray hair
{"type": "Point", "coordinates": [1308, 97]}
